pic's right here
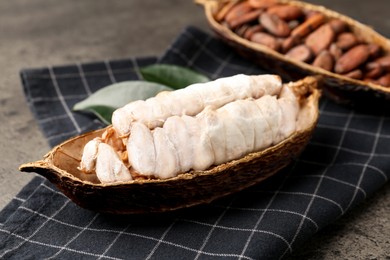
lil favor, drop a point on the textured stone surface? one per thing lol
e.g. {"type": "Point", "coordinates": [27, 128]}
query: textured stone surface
{"type": "Point", "coordinates": [42, 32]}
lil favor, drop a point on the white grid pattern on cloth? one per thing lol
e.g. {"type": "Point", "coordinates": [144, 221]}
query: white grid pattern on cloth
{"type": "Point", "coordinates": [251, 224]}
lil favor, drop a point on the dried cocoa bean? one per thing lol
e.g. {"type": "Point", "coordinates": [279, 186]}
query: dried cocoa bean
{"type": "Point", "coordinates": [309, 25]}
{"type": "Point", "coordinates": [245, 18]}
{"type": "Point", "coordinates": [220, 16]}
{"type": "Point", "coordinates": [240, 31]}
{"type": "Point", "coordinates": [384, 80]}
{"type": "Point", "coordinates": [237, 11]}
{"type": "Point", "coordinates": [335, 51]}
{"type": "Point", "coordinates": [324, 60]}
{"type": "Point", "coordinates": [320, 39]}
{"type": "Point", "coordinates": [286, 12]}
{"type": "Point", "coordinates": [352, 59]}
{"type": "Point", "coordinates": [289, 42]}
{"type": "Point", "coordinates": [373, 70]}
{"type": "Point", "coordinates": [384, 62]}
{"type": "Point", "coordinates": [346, 40]}
{"type": "Point", "coordinates": [375, 50]}
{"type": "Point", "coordinates": [253, 29]}
{"type": "Point", "coordinates": [265, 39]}
{"type": "Point", "coordinates": [273, 24]}
{"type": "Point", "coordinates": [355, 74]}
{"type": "Point", "coordinates": [338, 26]}
{"type": "Point", "coordinates": [300, 53]}
{"type": "Point", "coordinates": [261, 3]}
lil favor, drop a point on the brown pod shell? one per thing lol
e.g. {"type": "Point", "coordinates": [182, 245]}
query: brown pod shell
{"type": "Point", "coordinates": [338, 87]}
{"type": "Point", "coordinates": [59, 166]}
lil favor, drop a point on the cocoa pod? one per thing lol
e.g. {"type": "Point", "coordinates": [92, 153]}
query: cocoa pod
{"type": "Point", "coordinates": [286, 12]}
{"type": "Point", "coordinates": [237, 11]}
{"type": "Point", "coordinates": [338, 26]}
{"type": "Point", "coordinates": [384, 80]}
{"type": "Point", "coordinates": [274, 25]}
{"type": "Point", "coordinates": [324, 60]}
{"type": "Point", "coordinates": [300, 53]}
{"type": "Point", "coordinates": [355, 74]}
{"type": "Point", "coordinates": [265, 39]}
{"type": "Point", "coordinates": [320, 39]}
{"type": "Point", "coordinates": [352, 59]}
{"type": "Point", "coordinates": [309, 25]}
{"type": "Point", "coordinates": [346, 40]}
{"type": "Point", "coordinates": [245, 18]}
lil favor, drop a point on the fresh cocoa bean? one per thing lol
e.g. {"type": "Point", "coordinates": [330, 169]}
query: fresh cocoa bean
{"type": "Point", "coordinates": [352, 59]}
{"type": "Point", "coordinates": [262, 3]}
{"type": "Point", "coordinates": [320, 39]}
{"type": "Point", "coordinates": [253, 29]}
{"type": "Point", "coordinates": [245, 18]}
{"type": "Point", "coordinates": [373, 70]}
{"type": "Point", "coordinates": [384, 80]}
{"type": "Point", "coordinates": [300, 53]}
{"type": "Point", "coordinates": [335, 51]}
{"type": "Point", "coordinates": [274, 25]}
{"type": "Point", "coordinates": [289, 42]}
{"type": "Point", "coordinates": [346, 40]}
{"type": "Point", "coordinates": [355, 74]}
{"type": "Point", "coordinates": [309, 25]}
{"type": "Point", "coordinates": [324, 60]}
{"type": "Point", "coordinates": [265, 39]}
{"type": "Point", "coordinates": [384, 62]}
{"type": "Point", "coordinates": [286, 12]}
{"type": "Point", "coordinates": [338, 26]}
{"type": "Point", "coordinates": [237, 11]}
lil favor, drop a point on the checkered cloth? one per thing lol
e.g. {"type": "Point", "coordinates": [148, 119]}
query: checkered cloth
{"type": "Point", "coordinates": [346, 161]}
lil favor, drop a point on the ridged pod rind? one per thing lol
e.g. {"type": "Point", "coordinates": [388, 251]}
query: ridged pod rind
{"type": "Point", "coordinates": [59, 166]}
{"type": "Point", "coordinates": [340, 88]}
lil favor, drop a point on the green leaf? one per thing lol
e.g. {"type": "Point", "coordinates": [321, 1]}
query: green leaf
{"type": "Point", "coordinates": [104, 101]}
{"type": "Point", "coordinates": [173, 76]}
{"type": "Point", "coordinates": [104, 113]}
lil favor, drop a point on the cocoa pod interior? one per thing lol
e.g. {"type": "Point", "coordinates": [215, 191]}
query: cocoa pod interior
{"type": "Point", "coordinates": [59, 166]}
{"type": "Point", "coordinates": [340, 88]}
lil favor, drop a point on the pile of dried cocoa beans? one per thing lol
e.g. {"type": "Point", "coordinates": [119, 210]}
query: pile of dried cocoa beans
{"type": "Point", "coordinates": [307, 36]}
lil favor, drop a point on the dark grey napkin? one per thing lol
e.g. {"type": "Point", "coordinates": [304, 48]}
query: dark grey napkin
{"type": "Point", "coordinates": [346, 161]}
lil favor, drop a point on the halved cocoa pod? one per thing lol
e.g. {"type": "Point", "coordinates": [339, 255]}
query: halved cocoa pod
{"type": "Point", "coordinates": [60, 166]}
{"type": "Point", "coordinates": [339, 87]}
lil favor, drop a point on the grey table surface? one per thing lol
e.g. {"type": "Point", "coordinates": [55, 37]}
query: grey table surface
{"type": "Point", "coordinates": [43, 32]}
